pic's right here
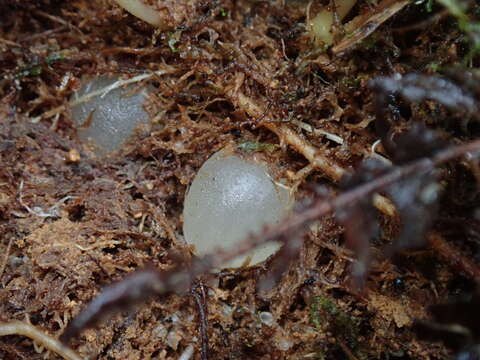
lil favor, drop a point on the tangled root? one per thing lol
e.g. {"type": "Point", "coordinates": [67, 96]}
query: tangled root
{"type": "Point", "coordinates": [30, 331]}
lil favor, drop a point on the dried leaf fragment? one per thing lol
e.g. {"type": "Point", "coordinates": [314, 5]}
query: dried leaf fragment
{"type": "Point", "coordinates": [369, 24]}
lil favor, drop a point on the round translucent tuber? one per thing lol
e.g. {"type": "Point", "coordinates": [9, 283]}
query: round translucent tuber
{"type": "Point", "coordinates": [229, 199]}
{"type": "Point", "coordinates": [106, 114]}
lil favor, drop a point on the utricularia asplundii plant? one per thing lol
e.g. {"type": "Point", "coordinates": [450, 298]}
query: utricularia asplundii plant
{"type": "Point", "coordinates": [231, 197]}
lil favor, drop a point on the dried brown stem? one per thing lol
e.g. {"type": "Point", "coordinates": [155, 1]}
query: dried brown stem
{"type": "Point", "coordinates": [200, 297]}
{"type": "Point", "coordinates": [454, 256]}
{"type": "Point", "coordinates": [320, 161]}
{"type": "Point", "coordinates": [141, 285]}
{"type": "Point", "coordinates": [386, 10]}
{"type": "Point", "coordinates": [425, 23]}
{"type": "Point", "coordinates": [331, 169]}
{"type": "Point", "coordinates": [5, 259]}
{"type": "Point", "coordinates": [346, 350]}
{"type": "Point", "coordinates": [136, 287]}
{"type": "Point", "coordinates": [30, 331]}
{"type": "Point", "coordinates": [321, 207]}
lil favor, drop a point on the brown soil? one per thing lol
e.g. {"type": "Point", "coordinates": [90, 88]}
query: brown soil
{"type": "Point", "coordinates": [239, 72]}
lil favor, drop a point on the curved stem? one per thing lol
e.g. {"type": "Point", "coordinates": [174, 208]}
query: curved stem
{"type": "Point", "coordinates": [20, 328]}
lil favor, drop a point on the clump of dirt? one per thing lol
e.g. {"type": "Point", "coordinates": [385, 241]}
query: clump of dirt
{"type": "Point", "coordinates": [242, 73]}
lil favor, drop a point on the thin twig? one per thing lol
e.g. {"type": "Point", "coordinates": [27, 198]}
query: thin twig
{"type": "Point", "coordinates": [201, 300]}
{"type": "Point", "coordinates": [385, 11]}
{"type": "Point", "coordinates": [58, 20]}
{"type": "Point", "coordinates": [5, 259]}
{"type": "Point", "coordinates": [44, 34]}
{"type": "Point", "coordinates": [38, 211]}
{"type": "Point", "coordinates": [309, 128]}
{"type": "Point", "coordinates": [141, 285]}
{"type": "Point", "coordinates": [320, 161]}
{"type": "Point", "coordinates": [117, 84]}
{"type": "Point", "coordinates": [347, 350]}
{"type": "Point", "coordinates": [10, 42]}
{"type": "Point", "coordinates": [99, 92]}
{"type": "Point", "coordinates": [423, 24]}
{"type": "Point", "coordinates": [331, 169]}
{"type": "Point", "coordinates": [454, 256]}
{"type": "Point", "coordinates": [322, 208]}
{"type": "Point", "coordinates": [20, 328]}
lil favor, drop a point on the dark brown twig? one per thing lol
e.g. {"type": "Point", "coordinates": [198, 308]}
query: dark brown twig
{"type": "Point", "coordinates": [423, 24]}
{"type": "Point", "coordinates": [321, 208]}
{"type": "Point", "coordinates": [200, 296]}
{"type": "Point", "coordinates": [5, 259]}
{"type": "Point", "coordinates": [141, 285]}
{"type": "Point", "coordinates": [135, 288]}
{"type": "Point", "coordinates": [347, 350]}
{"type": "Point", "coordinates": [454, 256]}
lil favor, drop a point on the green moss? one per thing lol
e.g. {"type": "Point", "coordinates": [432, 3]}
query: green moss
{"type": "Point", "coordinates": [54, 58]}
{"type": "Point", "coordinates": [36, 68]}
{"type": "Point", "coordinates": [324, 313]}
{"type": "Point", "coordinates": [352, 82]}
{"type": "Point", "coordinates": [252, 146]}
{"type": "Point", "coordinates": [173, 40]}
{"type": "Point", "coordinates": [31, 71]}
{"type": "Point", "coordinates": [433, 67]}
{"type": "Point", "coordinates": [223, 12]}
{"type": "Point", "coordinates": [368, 43]}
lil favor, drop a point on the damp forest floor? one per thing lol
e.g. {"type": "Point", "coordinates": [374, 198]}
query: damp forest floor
{"type": "Point", "coordinates": [228, 72]}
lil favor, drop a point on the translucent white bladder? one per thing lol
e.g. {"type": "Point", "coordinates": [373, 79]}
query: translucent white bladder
{"type": "Point", "coordinates": [230, 198]}
{"type": "Point", "coordinates": [107, 115]}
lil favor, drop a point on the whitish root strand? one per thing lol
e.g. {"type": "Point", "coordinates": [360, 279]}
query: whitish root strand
{"type": "Point", "coordinates": [117, 84]}
{"type": "Point", "coordinates": [142, 11]}
{"type": "Point", "coordinates": [30, 331]}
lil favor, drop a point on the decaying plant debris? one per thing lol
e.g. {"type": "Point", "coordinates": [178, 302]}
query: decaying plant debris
{"type": "Point", "coordinates": [378, 134]}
